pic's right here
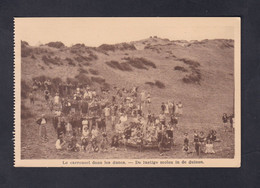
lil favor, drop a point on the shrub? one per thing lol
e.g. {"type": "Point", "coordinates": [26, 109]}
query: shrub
{"type": "Point", "coordinates": [139, 63]}
{"type": "Point", "coordinates": [70, 61]}
{"type": "Point", "coordinates": [150, 83]}
{"type": "Point", "coordinates": [93, 56]}
{"type": "Point", "coordinates": [86, 63]}
{"type": "Point", "coordinates": [94, 72]}
{"type": "Point", "coordinates": [119, 66]}
{"type": "Point", "coordinates": [24, 43]}
{"type": "Point", "coordinates": [48, 60]}
{"type": "Point", "coordinates": [179, 68]}
{"type": "Point", "coordinates": [190, 62]}
{"type": "Point", "coordinates": [97, 80]}
{"type": "Point", "coordinates": [192, 78]}
{"type": "Point", "coordinates": [25, 50]}
{"type": "Point", "coordinates": [83, 79]}
{"type": "Point", "coordinates": [82, 71]}
{"type": "Point", "coordinates": [126, 46]}
{"type": "Point", "coordinates": [159, 84]}
{"type": "Point", "coordinates": [107, 47]}
{"type": "Point", "coordinates": [55, 44]}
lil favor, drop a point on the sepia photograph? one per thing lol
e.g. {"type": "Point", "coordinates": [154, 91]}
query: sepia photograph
{"type": "Point", "coordinates": [127, 92]}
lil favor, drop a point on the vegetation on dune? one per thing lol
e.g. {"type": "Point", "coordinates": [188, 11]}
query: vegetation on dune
{"type": "Point", "coordinates": [120, 66]}
{"type": "Point", "coordinates": [98, 79]}
{"type": "Point", "coordinates": [57, 44]}
{"type": "Point", "coordinates": [190, 62]}
{"type": "Point", "coordinates": [179, 68]}
{"type": "Point", "coordinates": [49, 60]}
{"type": "Point", "coordinates": [25, 50]}
{"type": "Point", "coordinates": [139, 62]}
{"type": "Point", "coordinates": [83, 79]}
{"type": "Point", "coordinates": [93, 71]}
{"type": "Point", "coordinates": [107, 47]}
{"type": "Point", "coordinates": [123, 46]}
{"type": "Point", "coordinates": [82, 70]}
{"type": "Point", "coordinates": [157, 83]}
{"type": "Point", "coordinates": [150, 83]}
{"type": "Point", "coordinates": [195, 75]}
{"type": "Point", "coordinates": [70, 61]}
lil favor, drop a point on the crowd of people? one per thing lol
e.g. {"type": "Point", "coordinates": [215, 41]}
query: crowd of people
{"type": "Point", "coordinates": [96, 120]}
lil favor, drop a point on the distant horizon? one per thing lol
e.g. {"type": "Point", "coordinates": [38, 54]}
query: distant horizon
{"type": "Point", "coordinates": [96, 31]}
{"type": "Point", "coordinates": [40, 44]}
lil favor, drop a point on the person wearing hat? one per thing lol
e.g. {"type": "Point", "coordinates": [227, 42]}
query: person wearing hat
{"type": "Point", "coordinates": [186, 147]}
{"type": "Point", "coordinates": [42, 127]}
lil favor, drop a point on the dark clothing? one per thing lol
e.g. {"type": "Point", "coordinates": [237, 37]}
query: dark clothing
{"type": "Point", "coordinates": [84, 107]}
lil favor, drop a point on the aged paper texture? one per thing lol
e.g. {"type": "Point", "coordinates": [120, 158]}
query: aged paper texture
{"type": "Point", "coordinates": [127, 92]}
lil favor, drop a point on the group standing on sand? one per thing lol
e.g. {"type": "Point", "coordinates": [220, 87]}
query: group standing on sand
{"type": "Point", "coordinates": [81, 117]}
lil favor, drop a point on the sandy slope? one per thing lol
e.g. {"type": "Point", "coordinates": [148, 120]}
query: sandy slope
{"type": "Point", "coordinates": [204, 104]}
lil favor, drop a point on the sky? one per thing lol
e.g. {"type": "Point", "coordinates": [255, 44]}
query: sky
{"type": "Point", "coordinates": [97, 31]}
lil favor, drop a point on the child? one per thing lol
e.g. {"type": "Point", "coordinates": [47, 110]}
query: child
{"type": "Point", "coordinates": [94, 142]}
{"type": "Point", "coordinates": [186, 147]}
{"type": "Point", "coordinates": [197, 143]}
{"type": "Point", "coordinates": [202, 141]}
{"type": "Point", "coordinates": [73, 145]}
{"type": "Point", "coordinates": [60, 143]}
{"type": "Point", "coordinates": [85, 135]}
{"type": "Point", "coordinates": [42, 128]}
{"type": "Point", "coordinates": [104, 142]}
{"type": "Point", "coordinates": [225, 121]}
{"type": "Point", "coordinates": [209, 146]}
{"type": "Point", "coordinates": [115, 142]}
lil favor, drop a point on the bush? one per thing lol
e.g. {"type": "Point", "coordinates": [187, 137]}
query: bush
{"type": "Point", "coordinates": [159, 84]}
{"type": "Point", "coordinates": [139, 63]}
{"type": "Point", "coordinates": [192, 78]}
{"type": "Point", "coordinates": [179, 68]}
{"type": "Point", "coordinates": [83, 79]}
{"type": "Point", "coordinates": [107, 47]}
{"type": "Point", "coordinates": [190, 62]}
{"type": "Point", "coordinates": [119, 66]}
{"type": "Point", "coordinates": [94, 72]}
{"type": "Point", "coordinates": [150, 83]}
{"type": "Point", "coordinates": [126, 46]}
{"type": "Point", "coordinates": [55, 44]}
{"type": "Point", "coordinates": [82, 71]}
{"type": "Point", "coordinates": [48, 60]}
{"type": "Point", "coordinates": [25, 50]}
{"type": "Point", "coordinates": [98, 80]}
{"type": "Point", "coordinates": [70, 61]}
{"type": "Point", "coordinates": [93, 56]}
